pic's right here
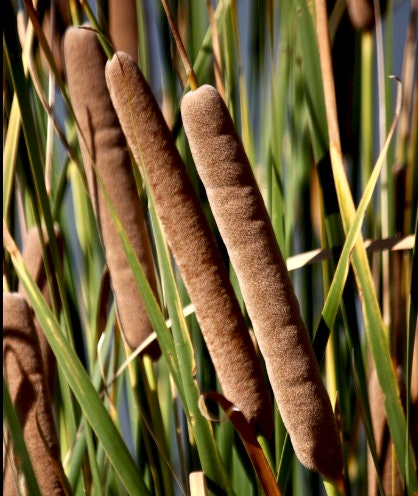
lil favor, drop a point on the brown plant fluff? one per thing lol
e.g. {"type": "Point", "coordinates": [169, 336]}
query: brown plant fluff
{"type": "Point", "coordinates": [23, 372]}
{"type": "Point", "coordinates": [361, 13]}
{"type": "Point", "coordinates": [54, 25]}
{"type": "Point", "coordinates": [390, 475]}
{"type": "Point", "coordinates": [192, 243]}
{"type": "Point", "coordinates": [33, 258]}
{"type": "Point", "coordinates": [414, 394]}
{"type": "Point", "coordinates": [245, 227]}
{"type": "Point", "coordinates": [123, 26]}
{"type": "Point", "coordinates": [102, 141]}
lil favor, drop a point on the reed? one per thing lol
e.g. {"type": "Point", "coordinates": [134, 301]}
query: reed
{"type": "Point", "coordinates": [191, 241]}
{"type": "Point", "coordinates": [23, 370]}
{"type": "Point", "coordinates": [105, 155]}
{"type": "Point", "coordinates": [245, 227]}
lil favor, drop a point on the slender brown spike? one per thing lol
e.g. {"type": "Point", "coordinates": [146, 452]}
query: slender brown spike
{"type": "Point", "coordinates": [245, 227]}
{"type": "Point", "coordinates": [102, 142]}
{"type": "Point", "coordinates": [123, 26]}
{"type": "Point", "coordinates": [362, 13]}
{"type": "Point", "coordinates": [54, 38]}
{"type": "Point", "coordinates": [23, 372]}
{"type": "Point", "coordinates": [390, 475]}
{"type": "Point", "coordinates": [414, 392]}
{"type": "Point", "coordinates": [56, 19]}
{"type": "Point", "coordinates": [191, 241]}
{"type": "Point", "coordinates": [33, 258]}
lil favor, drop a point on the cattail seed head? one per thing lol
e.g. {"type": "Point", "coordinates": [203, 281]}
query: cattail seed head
{"type": "Point", "coordinates": [245, 227]}
{"type": "Point", "coordinates": [362, 14]}
{"type": "Point", "coordinates": [123, 26]}
{"type": "Point", "coordinates": [382, 438]}
{"type": "Point", "coordinates": [33, 258]}
{"type": "Point", "coordinates": [24, 375]}
{"type": "Point", "coordinates": [55, 21]}
{"type": "Point", "coordinates": [102, 143]}
{"type": "Point", "coordinates": [414, 394]}
{"type": "Point", "coordinates": [191, 241]}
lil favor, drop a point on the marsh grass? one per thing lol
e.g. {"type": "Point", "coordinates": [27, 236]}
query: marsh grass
{"type": "Point", "coordinates": [340, 188]}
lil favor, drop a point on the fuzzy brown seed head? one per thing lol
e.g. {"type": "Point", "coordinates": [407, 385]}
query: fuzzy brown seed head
{"type": "Point", "coordinates": [414, 394]}
{"type": "Point", "coordinates": [191, 241]}
{"type": "Point", "coordinates": [33, 258]}
{"type": "Point", "coordinates": [54, 25]}
{"type": "Point", "coordinates": [23, 372]}
{"type": "Point", "coordinates": [123, 26]}
{"type": "Point", "coordinates": [245, 227]}
{"type": "Point", "coordinates": [361, 13]}
{"type": "Point", "coordinates": [382, 439]}
{"type": "Point", "coordinates": [103, 145]}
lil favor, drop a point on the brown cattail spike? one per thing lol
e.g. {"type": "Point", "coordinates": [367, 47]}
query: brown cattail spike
{"type": "Point", "coordinates": [23, 372]}
{"type": "Point", "coordinates": [362, 14]}
{"type": "Point", "coordinates": [191, 241]}
{"type": "Point", "coordinates": [102, 143]}
{"type": "Point", "coordinates": [123, 26]}
{"type": "Point", "coordinates": [56, 19]}
{"type": "Point", "coordinates": [390, 473]}
{"type": "Point", "coordinates": [33, 258]}
{"type": "Point", "coordinates": [245, 227]}
{"type": "Point", "coordinates": [414, 393]}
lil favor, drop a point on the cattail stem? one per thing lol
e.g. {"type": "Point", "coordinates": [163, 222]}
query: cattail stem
{"type": "Point", "coordinates": [191, 240]}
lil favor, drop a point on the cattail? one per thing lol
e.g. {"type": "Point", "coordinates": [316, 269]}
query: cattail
{"type": "Point", "coordinates": [414, 394]}
{"type": "Point", "coordinates": [55, 21]}
{"type": "Point", "coordinates": [361, 13]}
{"type": "Point", "coordinates": [23, 372]}
{"type": "Point", "coordinates": [33, 258]}
{"type": "Point", "coordinates": [391, 480]}
{"type": "Point", "coordinates": [191, 241]}
{"type": "Point", "coordinates": [102, 143]}
{"type": "Point", "coordinates": [123, 26]}
{"type": "Point", "coordinates": [245, 227]}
